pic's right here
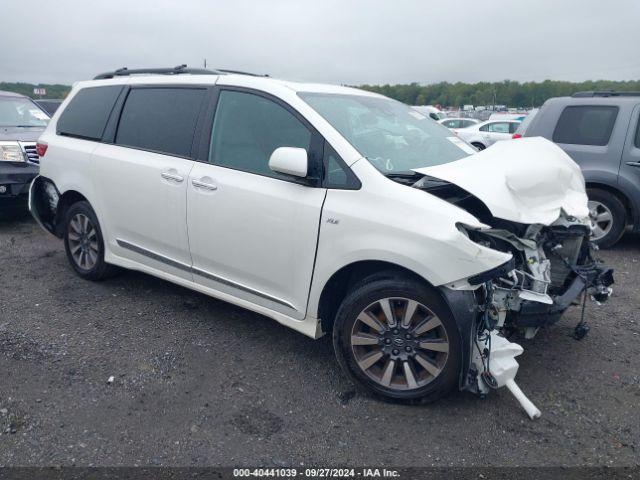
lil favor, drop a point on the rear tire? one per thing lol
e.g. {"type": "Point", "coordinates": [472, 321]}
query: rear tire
{"type": "Point", "coordinates": [418, 360]}
{"type": "Point", "coordinates": [478, 145]}
{"type": "Point", "coordinates": [610, 221]}
{"type": "Point", "coordinates": [84, 243]}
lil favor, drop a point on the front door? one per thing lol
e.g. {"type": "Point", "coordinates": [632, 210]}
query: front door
{"type": "Point", "coordinates": [253, 232]}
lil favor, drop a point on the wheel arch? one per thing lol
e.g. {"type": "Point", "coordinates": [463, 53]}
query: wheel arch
{"type": "Point", "coordinates": [462, 303]}
{"type": "Point", "coordinates": [339, 283]}
{"type": "Point", "coordinates": [49, 206]}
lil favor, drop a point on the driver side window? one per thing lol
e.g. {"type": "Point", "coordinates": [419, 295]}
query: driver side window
{"type": "Point", "coordinates": [247, 128]}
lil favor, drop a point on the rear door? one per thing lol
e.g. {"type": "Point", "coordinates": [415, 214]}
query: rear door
{"type": "Point", "coordinates": [495, 131]}
{"type": "Point", "coordinates": [253, 232]}
{"type": "Point", "coordinates": [143, 175]}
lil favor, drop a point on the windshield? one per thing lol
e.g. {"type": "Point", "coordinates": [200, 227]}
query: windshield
{"type": "Point", "coordinates": [21, 112]}
{"type": "Point", "coordinates": [391, 135]}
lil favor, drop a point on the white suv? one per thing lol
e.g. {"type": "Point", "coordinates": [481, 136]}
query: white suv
{"type": "Point", "coordinates": [326, 208]}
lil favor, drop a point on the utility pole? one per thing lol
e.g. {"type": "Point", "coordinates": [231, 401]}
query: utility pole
{"type": "Point", "coordinates": [205, 63]}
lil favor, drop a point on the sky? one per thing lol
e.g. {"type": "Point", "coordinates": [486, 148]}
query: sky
{"type": "Point", "coordinates": [334, 41]}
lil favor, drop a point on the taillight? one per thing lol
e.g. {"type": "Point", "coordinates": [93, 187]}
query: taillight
{"type": "Point", "coordinates": [41, 149]}
{"type": "Point", "coordinates": [516, 135]}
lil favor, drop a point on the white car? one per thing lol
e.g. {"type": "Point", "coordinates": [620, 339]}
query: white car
{"type": "Point", "coordinates": [485, 134]}
{"type": "Point", "coordinates": [329, 209]}
{"type": "Point", "coordinates": [455, 123]}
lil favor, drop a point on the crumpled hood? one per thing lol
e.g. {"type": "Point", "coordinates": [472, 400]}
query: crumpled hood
{"type": "Point", "coordinates": [528, 180]}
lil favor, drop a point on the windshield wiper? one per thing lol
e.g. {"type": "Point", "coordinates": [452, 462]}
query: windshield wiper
{"type": "Point", "coordinates": [407, 174]}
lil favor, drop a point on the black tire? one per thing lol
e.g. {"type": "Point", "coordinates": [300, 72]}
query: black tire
{"type": "Point", "coordinates": [618, 213]}
{"type": "Point", "coordinates": [94, 270]}
{"type": "Point", "coordinates": [383, 286]}
{"type": "Point", "coordinates": [478, 145]}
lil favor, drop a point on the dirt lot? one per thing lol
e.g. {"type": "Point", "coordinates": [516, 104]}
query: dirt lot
{"type": "Point", "coordinates": [201, 382]}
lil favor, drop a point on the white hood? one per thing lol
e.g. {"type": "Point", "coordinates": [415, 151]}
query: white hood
{"type": "Point", "coordinates": [529, 180]}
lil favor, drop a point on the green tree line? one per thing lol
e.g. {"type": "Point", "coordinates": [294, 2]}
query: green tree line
{"type": "Point", "coordinates": [507, 92]}
{"type": "Point", "coordinates": [53, 90]}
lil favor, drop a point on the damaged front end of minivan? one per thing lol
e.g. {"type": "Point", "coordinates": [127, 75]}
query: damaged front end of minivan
{"type": "Point", "coordinates": [534, 208]}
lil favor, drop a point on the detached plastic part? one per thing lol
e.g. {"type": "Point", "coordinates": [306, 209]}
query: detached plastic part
{"type": "Point", "coordinates": [503, 368]}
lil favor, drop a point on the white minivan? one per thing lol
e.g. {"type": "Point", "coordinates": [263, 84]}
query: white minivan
{"type": "Point", "coordinates": [327, 208]}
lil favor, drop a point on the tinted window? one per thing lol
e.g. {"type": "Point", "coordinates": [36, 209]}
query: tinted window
{"type": "Point", "coordinates": [467, 123]}
{"type": "Point", "coordinates": [513, 126]}
{"type": "Point", "coordinates": [160, 119]}
{"type": "Point", "coordinates": [585, 125]}
{"type": "Point", "coordinates": [638, 134]}
{"type": "Point", "coordinates": [247, 129]}
{"type": "Point", "coordinates": [88, 112]}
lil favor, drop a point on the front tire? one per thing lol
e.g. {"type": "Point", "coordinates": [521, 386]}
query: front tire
{"type": "Point", "coordinates": [395, 337]}
{"type": "Point", "coordinates": [84, 243]}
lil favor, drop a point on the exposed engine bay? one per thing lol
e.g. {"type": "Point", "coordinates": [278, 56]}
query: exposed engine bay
{"type": "Point", "coordinates": [552, 267]}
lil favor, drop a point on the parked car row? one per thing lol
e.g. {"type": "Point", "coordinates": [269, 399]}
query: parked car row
{"type": "Point", "coordinates": [329, 209]}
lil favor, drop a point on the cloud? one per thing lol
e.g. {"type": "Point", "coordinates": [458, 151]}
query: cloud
{"type": "Point", "coordinates": [335, 41]}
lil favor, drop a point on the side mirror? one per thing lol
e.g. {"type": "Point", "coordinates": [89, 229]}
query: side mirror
{"type": "Point", "coordinates": [290, 161]}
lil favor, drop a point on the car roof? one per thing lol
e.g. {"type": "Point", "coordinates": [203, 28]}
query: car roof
{"type": "Point", "coordinates": [251, 81]}
{"type": "Point", "coordinates": [596, 100]}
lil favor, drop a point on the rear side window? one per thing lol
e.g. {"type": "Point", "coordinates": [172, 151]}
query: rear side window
{"type": "Point", "coordinates": [586, 125]}
{"type": "Point", "coordinates": [88, 112]}
{"type": "Point", "coordinates": [161, 120]}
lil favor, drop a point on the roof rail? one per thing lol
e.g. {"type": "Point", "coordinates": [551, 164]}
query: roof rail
{"type": "Point", "coordinates": [239, 72]}
{"type": "Point", "coordinates": [605, 93]}
{"type": "Point", "coordinates": [180, 69]}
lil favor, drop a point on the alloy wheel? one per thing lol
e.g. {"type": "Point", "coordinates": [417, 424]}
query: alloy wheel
{"type": "Point", "coordinates": [601, 219]}
{"type": "Point", "coordinates": [83, 241]}
{"type": "Point", "coordinates": [399, 343]}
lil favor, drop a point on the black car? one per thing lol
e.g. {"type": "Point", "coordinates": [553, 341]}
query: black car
{"type": "Point", "coordinates": [21, 123]}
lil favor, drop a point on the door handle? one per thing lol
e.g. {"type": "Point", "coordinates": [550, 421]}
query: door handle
{"type": "Point", "coordinates": [633, 164]}
{"type": "Point", "coordinates": [203, 185]}
{"type": "Point", "coordinates": [172, 176]}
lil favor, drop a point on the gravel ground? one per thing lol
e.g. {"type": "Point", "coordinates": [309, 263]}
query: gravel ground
{"type": "Point", "coordinates": [201, 382]}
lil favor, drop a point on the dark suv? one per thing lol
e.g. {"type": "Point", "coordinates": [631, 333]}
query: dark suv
{"type": "Point", "coordinates": [601, 132]}
{"type": "Point", "coordinates": [21, 123]}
